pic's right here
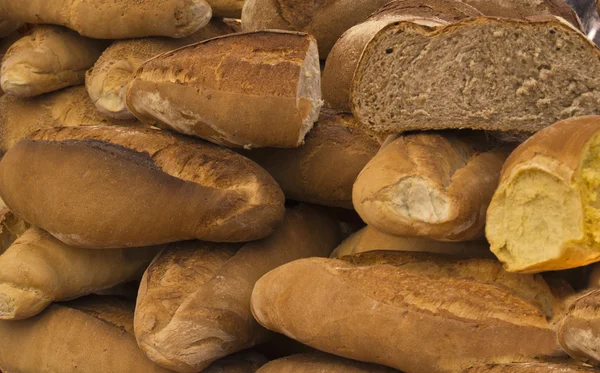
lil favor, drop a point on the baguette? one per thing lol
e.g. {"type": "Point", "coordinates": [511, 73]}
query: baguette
{"type": "Point", "coordinates": [432, 185]}
{"type": "Point", "coordinates": [37, 269]}
{"type": "Point", "coordinates": [207, 313]}
{"type": "Point", "coordinates": [541, 367]}
{"type": "Point", "coordinates": [88, 335]}
{"type": "Point", "coordinates": [543, 216]}
{"type": "Point", "coordinates": [408, 77]}
{"type": "Point", "coordinates": [107, 81]}
{"type": "Point", "coordinates": [370, 239]}
{"type": "Point", "coordinates": [321, 363]}
{"type": "Point", "coordinates": [47, 59]}
{"type": "Point", "coordinates": [447, 315]}
{"type": "Point", "coordinates": [579, 330]}
{"type": "Point", "coordinates": [259, 89]}
{"type": "Point", "coordinates": [139, 187]}
{"type": "Point", "coordinates": [65, 108]}
{"type": "Point", "coordinates": [345, 54]}
{"type": "Point", "coordinates": [115, 19]}
{"type": "Point", "coordinates": [323, 170]}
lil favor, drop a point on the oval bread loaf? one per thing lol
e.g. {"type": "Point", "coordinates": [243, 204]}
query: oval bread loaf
{"type": "Point", "coordinates": [259, 89]}
{"type": "Point", "coordinates": [115, 187]}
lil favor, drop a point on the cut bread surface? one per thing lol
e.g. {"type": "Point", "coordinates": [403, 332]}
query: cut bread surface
{"type": "Point", "coordinates": [481, 73]}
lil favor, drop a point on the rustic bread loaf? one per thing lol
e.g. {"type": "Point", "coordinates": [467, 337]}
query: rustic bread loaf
{"type": "Point", "coordinates": [409, 79]}
{"type": "Point", "coordinates": [250, 90]}
{"type": "Point", "coordinates": [534, 367]}
{"type": "Point", "coordinates": [345, 54]}
{"type": "Point", "coordinates": [194, 301]}
{"type": "Point", "coordinates": [107, 81]}
{"type": "Point", "coordinates": [323, 170]}
{"type": "Point", "coordinates": [370, 239]}
{"type": "Point", "coordinates": [88, 335]}
{"type": "Point", "coordinates": [116, 19]}
{"type": "Point", "coordinates": [321, 363]}
{"type": "Point", "coordinates": [446, 315]}
{"type": "Point", "coordinates": [65, 108]}
{"type": "Point", "coordinates": [47, 59]}
{"type": "Point", "coordinates": [579, 329]}
{"type": "Point", "coordinates": [37, 269]}
{"type": "Point", "coordinates": [116, 187]}
{"type": "Point", "coordinates": [543, 216]}
{"type": "Point", "coordinates": [226, 8]}
{"type": "Point", "coordinates": [433, 185]}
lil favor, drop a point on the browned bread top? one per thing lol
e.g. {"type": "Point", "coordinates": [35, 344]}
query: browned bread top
{"type": "Point", "coordinates": [112, 310]}
{"type": "Point", "coordinates": [447, 10]}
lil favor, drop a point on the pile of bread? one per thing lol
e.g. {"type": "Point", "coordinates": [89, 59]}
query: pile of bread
{"type": "Point", "coordinates": [298, 186]}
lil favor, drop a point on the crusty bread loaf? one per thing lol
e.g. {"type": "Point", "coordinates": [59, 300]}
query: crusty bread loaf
{"type": "Point", "coordinates": [194, 300]}
{"type": "Point", "coordinates": [107, 81]}
{"type": "Point", "coordinates": [579, 329]}
{"type": "Point", "coordinates": [259, 89]}
{"type": "Point", "coordinates": [226, 8]}
{"type": "Point", "coordinates": [37, 269]}
{"type": "Point", "coordinates": [409, 78]}
{"type": "Point", "coordinates": [115, 19]}
{"type": "Point", "coordinates": [546, 199]}
{"type": "Point", "coordinates": [65, 108]}
{"type": "Point", "coordinates": [326, 20]}
{"type": "Point", "coordinates": [415, 315]}
{"type": "Point", "coordinates": [47, 59]}
{"type": "Point", "coordinates": [88, 335]}
{"type": "Point", "coordinates": [538, 367]}
{"type": "Point", "coordinates": [116, 187]}
{"type": "Point", "coordinates": [370, 239]}
{"type": "Point", "coordinates": [345, 54]}
{"type": "Point", "coordinates": [321, 363]}
{"type": "Point", "coordinates": [323, 170]}
{"type": "Point", "coordinates": [433, 185]}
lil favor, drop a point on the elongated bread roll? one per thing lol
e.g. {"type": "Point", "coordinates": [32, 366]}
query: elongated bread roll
{"type": "Point", "coordinates": [47, 59]}
{"type": "Point", "coordinates": [107, 81]}
{"type": "Point", "coordinates": [541, 367]}
{"type": "Point", "coordinates": [323, 170]}
{"type": "Point", "coordinates": [37, 269]}
{"type": "Point", "coordinates": [65, 108]}
{"type": "Point", "coordinates": [408, 77]}
{"type": "Point", "coordinates": [249, 90]}
{"type": "Point", "coordinates": [579, 330]}
{"type": "Point", "coordinates": [416, 315]}
{"type": "Point", "coordinates": [88, 335]}
{"type": "Point", "coordinates": [321, 363]}
{"type": "Point", "coordinates": [343, 58]}
{"type": "Point", "coordinates": [544, 216]}
{"type": "Point", "coordinates": [129, 187]}
{"type": "Point", "coordinates": [115, 19]}
{"type": "Point", "coordinates": [370, 239]}
{"type": "Point", "coordinates": [433, 185]}
{"type": "Point", "coordinates": [194, 301]}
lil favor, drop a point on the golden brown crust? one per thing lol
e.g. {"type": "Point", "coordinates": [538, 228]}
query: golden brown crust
{"type": "Point", "coordinates": [318, 362]}
{"type": "Point", "coordinates": [541, 367]}
{"type": "Point", "coordinates": [579, 330]}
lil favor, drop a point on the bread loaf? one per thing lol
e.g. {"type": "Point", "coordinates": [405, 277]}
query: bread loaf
{"type": "Point", "coordinates": [37, 269]}
{"type": "Point", "coordinates": [244, 90]}
{"type": "Point", "coordinates": [540, 367]}
{"type": "Point", "coordinates": [526, 8]}
{"type": "Point", "coordinates": [107, 81]}
{"type": "Point", "coordinates": [68, 107]}
{"type": "Point", "coordinates": [543, 216]}
{"type": "Point", "coordinates": [324, 169]}
{"type": "Point", "coordinates": [227, 8]}
{"type": "Point", "coordinates": [116, 19]}
{"type": "Point", "coordinates": [446, 315]}
{"type": "Point", "coordinates": [47, 59]}
{"type": "Point", "coordinates": [321, 363]}
{"type": "Point", "coordinates": [345, 54]}
{"type": "Point", "coordinates": [370, 239]}
{"type": "Point", "coordinates": [433, 185]}
{"type": "Point", "coordinates": [326, 20]}
{"type": "Point", "coordinates": [409, 78]}
{"type": "Point", "coordinates": [88, 335]}
{"type": "Point", "coordinates": [115, 187]}
{"type": "Point", "coordinates": [579, 329]}
{"type": "Point", "coordinates": [194, 301]}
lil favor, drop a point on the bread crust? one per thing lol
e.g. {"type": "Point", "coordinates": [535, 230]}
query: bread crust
{"type": "Point", "coordinates": [541, 367]}
{"type": "Point", "coordinates": [318, 362]}
{"type": "Point", "coordinates": [208, 306]}
{"type": "Point", "coordinates": [433, 185]}
{"type": "Point", "coordinates": [163, 188]}
{"type": "Point", "coordinates": [579, 329]}
{"type": "Point", "coordinates": [240, 90]}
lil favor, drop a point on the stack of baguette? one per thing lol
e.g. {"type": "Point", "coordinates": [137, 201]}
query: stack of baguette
{"type": "Point", "coordinates": [302, 186]}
